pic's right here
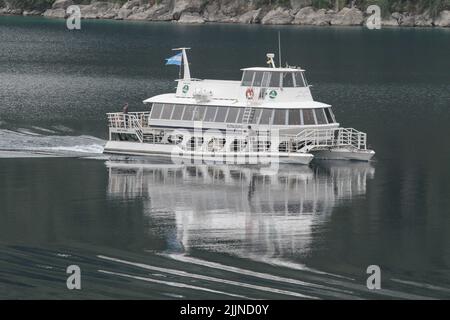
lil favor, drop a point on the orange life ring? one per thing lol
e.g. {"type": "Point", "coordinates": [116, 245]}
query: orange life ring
{"type": "Point", "coordinates": [249, 93]}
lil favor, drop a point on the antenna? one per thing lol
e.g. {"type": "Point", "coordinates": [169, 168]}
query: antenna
{"type": "Point", "coordinates": [279, 49]}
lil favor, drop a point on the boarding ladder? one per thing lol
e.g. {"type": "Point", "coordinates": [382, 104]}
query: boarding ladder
{"type": "Point", "coordinates": [247, 117]}
{"type": "Point", "coordinates": [326, 139]}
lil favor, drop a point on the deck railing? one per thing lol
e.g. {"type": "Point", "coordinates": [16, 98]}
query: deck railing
{"type": "Point", "coordinates": [310, 139]}
{"type": "Point", "coordinates": [128, 120]}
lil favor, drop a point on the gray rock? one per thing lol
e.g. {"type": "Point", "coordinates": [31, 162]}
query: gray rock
{"type": "Point", "coordinates": [296, 5]}
{"type": "Point", "coordinates": [62, 4]}
{"type": "Point", "coordinates": [31, 13]}
{"type": "Point", "coordinates": [407, 20]}
{"type": "Point", "coordinates": [423, 20]}
{"type": "Point", "coordinates": [193, 6]}
{"type": "Point", "coordinates": [252, 16]}
{"type": "Point", "coordinates": [191, 18]}
{"type": "Point", "coordinates": [348, 17]}
{"type": "Point", "coordinates": [389, 22]}
{"type": "Point", "coordinates": [278, 16]}
{"type": "Point", "coordinates": [160, 11]}
{"type": "Point", "coordinates": [55, 13]}
{"type": "Point", "coordinates": [443, 19]}
{"type": "Point", "coordinates": [308, 16]}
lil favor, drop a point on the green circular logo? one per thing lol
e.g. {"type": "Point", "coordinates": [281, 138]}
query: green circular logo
{"type": "Point", "coordinates": [185, 88]}
{"type": "Point", "coordinates": [273, 94]}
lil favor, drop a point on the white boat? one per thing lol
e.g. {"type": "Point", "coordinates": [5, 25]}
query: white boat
{"type": "Point", "coordinates": [268, 116]}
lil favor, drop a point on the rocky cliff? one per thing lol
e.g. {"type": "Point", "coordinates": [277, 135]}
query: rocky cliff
{"type": "Point", "coordinates": [297, 12]}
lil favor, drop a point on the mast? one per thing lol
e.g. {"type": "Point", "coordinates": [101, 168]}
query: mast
{"type": "Point", "coordinates": [187, 72]}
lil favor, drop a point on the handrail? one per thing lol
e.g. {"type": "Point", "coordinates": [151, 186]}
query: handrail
{"type": "Point", "coordinates": [334, 137]}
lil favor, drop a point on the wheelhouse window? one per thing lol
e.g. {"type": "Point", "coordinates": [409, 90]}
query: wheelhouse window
{"type": "Point", "coordinates": [210, 114]}
{"type": "Point", "coordinates": [279, 117]}
{"type": "Point", "coordinates": [221, 114]}
{"type": "Point", "coordinates": [320, 116]}
{"type": "Point", "coordinates": [288, 80]}
{"type": "Point", "coordinates": [275, 79]}
{"type": "Point", "coordinates": [177, 112]}
{"type": "Point", "coordinates": [167, 111]}
{"type": "Point", "coordinates": [232, 115]}
{"type": "Point", "coordinates": [294, 117]}
{"type": "Point", "coordinates": [247, 79]}
{"type": "Point", "coordinates": [258, 78]}
{"type": "Point", "coordinates": [308, 117]}
{"type": "Point", "coordinates": [299, 79]}
{"type": "Point", "coordinates": [266, 116]}
{"type": "Point", "coordinates": [266, 79]}
{"type": "Point", "coordinates": [329, 115]}
{"type": "Point", "coordinates": [156, 111]}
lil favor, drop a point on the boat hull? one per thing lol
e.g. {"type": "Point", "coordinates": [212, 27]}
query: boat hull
{"type": "Point", "coordinates": [344, 154]}
{"type": "Point", "coordinates": [176, 153]}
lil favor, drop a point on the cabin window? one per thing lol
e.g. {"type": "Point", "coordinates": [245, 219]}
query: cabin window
{"type": "Point", "coordinates": [329, 115]}
{"type": "Point", "coordinates": [308, 117]}
{"type": "Point", "coordinates": [167, 111]}
{"type": "Point", "coordinates": [258, 78]}
{"type": "Point", "coordinates": [288, 80]}
{"type": "Point", "coordinates": [221, 114]}
{"type": "Point", "coordinates": [279, 117]}
{"type": "Point", "coordinates": [266, 116]}
{"type": "Point", "coordinates": [177, 112]}
{"type": "Point", "coordinates": [241, 114]}
{"type": "Point", "coordinates": [210, 114]}
{"type": "Point", "coordinates": [299, 79]}
{"type": "Point", "coordinates": [188, 113]}
{"type": "Point", "coordinates": [266, 79]}
{"type": "Point", "coordinates": [232, 115]}
{"type": "Point", "coordinates": [320, 116]}
{"type": "Point", "coordinates": [294, 117]}
{"type": "Point", "coordinates": [247, 79]}
{"type": "Point", "coordinates": [256, 116]}
{"type": "Point", "coordinates": [199, 113]}
{"type": "Point", "coordinates": [275, 79]}
{"type": "Point", "coordinates": [156, 111]}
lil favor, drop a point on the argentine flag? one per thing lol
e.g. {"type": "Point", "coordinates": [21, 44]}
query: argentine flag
{"type": "Point", "coordinates": [176, 59]}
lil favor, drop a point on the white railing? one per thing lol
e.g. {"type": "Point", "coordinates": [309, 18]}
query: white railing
{"type": "Point", "coordinates": [310, 139]}
{"type": "Point", "coordinates": [134, 121]}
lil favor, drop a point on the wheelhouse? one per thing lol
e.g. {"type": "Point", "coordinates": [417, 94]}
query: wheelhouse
{"type": "Point", "coordinates": [274, 78]}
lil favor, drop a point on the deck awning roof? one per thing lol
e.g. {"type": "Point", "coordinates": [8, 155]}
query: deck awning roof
{"type": "Point", "coordinates": [171, 98]}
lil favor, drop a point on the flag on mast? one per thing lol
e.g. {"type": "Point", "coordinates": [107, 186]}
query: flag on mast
{"type": "Point", "coordinates": [175, 60]}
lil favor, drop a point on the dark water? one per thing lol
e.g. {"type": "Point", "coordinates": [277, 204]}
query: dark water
{"type": "Point", "coordinates": [150, 229]}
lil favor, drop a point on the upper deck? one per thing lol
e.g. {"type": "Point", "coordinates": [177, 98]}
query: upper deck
{"type": "Point", "coordinates": [259, 87]}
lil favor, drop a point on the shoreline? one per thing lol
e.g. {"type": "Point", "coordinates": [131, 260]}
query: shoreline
{"type": "Point", "coordinates": [188, 13]}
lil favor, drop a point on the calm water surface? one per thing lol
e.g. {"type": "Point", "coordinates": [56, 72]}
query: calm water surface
{"type": "Point", "coordinates": [141, 228]}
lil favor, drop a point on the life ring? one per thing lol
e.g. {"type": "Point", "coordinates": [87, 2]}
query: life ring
{"type": "Point", "coordinates": [249, 93]}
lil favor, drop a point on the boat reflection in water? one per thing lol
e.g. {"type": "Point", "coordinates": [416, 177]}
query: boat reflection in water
{"type": "Point", "coordinates": [238, 210]}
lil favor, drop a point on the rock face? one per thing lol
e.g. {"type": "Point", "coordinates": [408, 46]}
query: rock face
{"type": "Point", "coordinates": [348, 17]}
{"type": "Point", "coordinates": [308, 16]}
{"type": "Point", "coordinates": [191, 17]}
{"type": "Point", "coordinates": [298, 12]}
{"type": "Point", "coordinates": [278, 16]}
{"type": "Point", "coordinates": [62, 4]}
{"type": "Point", "coordinates": [443, 19]}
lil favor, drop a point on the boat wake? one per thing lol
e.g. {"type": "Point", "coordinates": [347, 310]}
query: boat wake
{"type": "Point", "coordinates": [29, 143]}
